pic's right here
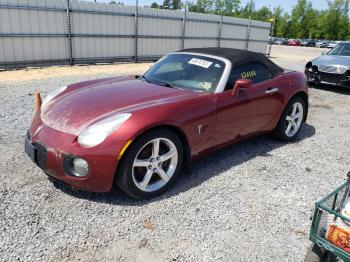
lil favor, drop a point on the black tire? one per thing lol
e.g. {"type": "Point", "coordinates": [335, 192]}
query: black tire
{"type": "Point", "coordinates": [311, 83]}
{"type": "Point", "coordinates": [313, 254]}
{"type": "Point", "coordinates": [124, 176]}
{"type": "Point", "coordinates": [280, 131]}
{"type": "Point", "coordinates": [316, 254]}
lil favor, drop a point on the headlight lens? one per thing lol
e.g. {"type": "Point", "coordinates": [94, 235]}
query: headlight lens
{"type": "Point", "coordinates": [97, 132]}
{"type": "Point", "coordinates": [52, 94]}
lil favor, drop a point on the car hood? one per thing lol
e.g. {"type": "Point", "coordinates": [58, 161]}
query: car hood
{"type": "Point", "coordinates": [84, 103]}
{"type": "Point", "coordinates": [332, 63]}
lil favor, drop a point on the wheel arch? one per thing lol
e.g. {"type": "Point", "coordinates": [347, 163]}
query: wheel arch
{"type": "Point", "coordinates": [303, 95]}
{"type": "Point", "coordinates": [175, 129]}
{"type": "Point", "coordinates": [308, 64]}
{"type": "Point", "coordinates": [184, 140]}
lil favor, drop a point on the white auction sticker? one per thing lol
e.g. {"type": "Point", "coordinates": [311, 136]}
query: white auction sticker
{"type": "Point", "coordinates": [200, 62]}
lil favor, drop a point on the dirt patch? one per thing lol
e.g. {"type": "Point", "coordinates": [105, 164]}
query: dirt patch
{"type": "Point", "coordinates": [29, 74]}
{"type": "Point", "coordinates": [324, 106]}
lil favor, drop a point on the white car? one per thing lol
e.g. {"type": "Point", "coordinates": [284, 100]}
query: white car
{"type": "Point", "coordinates": [332, 44]}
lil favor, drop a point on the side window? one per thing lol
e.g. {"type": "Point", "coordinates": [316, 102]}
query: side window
{"type": "Point", "coordinates": [255, 71]}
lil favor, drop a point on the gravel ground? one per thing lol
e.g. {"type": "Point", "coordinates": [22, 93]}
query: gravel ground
{"type": "Point", "coordinates": [248, 202]}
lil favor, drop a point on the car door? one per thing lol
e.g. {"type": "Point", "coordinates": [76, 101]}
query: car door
{"type": "Point", "coordinates": [253, 109]}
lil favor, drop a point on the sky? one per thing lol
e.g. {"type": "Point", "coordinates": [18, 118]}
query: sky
{"type": "Point", "coordinates": [286, 4]}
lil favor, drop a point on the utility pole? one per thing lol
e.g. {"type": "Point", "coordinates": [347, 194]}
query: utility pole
{"type": "Point", "coordinates": [272, 28]}
{"type": "Point", "coordinates": [249, 25]}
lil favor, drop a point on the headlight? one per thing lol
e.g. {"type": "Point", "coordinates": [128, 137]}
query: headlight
{"type": "Point", "coordinates": [52, 94]}
{"type": "Point", "coordinates": [97, 132]}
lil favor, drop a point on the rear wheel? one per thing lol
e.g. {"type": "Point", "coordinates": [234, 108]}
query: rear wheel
{"type": "Point", "coordinates": [291, 120]}
{"type": "Point", "coordinates": [151, 164]}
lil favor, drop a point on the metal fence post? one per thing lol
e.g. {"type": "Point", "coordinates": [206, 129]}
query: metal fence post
{"type": "Point", "coordinates": [136, 29]}
{"type": "Point", "coordinates": [220, 30]}
{"type": "Point", "coordinates": [184, 27]}
{"type": "Point", "coordinates": [69, 33]}
{"type": "Point", "coordinates": [248, 33]}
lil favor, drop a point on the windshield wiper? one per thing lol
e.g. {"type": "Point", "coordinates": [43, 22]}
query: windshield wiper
{"type": "Point", "coordinates": [145, 78]}
{"type": "Point", "coordinates": [161, 83]}
{"type": "Point", "coordinates": [171, 85]}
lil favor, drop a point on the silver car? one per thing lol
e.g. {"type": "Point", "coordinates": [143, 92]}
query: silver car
{"type": "Point", "coordinates": [332, 44]}
{"type": "Point", "coordinates": [332, 68]}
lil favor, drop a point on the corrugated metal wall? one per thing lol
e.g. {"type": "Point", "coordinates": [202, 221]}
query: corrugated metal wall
{"type": "Point", "coordinates": [47, 32]}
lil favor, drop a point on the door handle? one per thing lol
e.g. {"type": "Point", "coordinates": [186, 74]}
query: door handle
{"type": "Point", "coordinates": [271, 90]}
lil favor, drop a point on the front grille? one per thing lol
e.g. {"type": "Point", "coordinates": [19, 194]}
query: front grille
{"type": "Point", "coordinates": [330, 78]}
{"type": "Point", "coordinates": [41, 155]}
{"type": "Point", "coordinates": [67, 164]}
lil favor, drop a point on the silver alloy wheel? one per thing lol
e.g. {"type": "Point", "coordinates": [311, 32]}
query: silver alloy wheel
{"type": "Point", "coordinates": [155, 164]}
{"type": "Point", "coordinates": [294, 119]}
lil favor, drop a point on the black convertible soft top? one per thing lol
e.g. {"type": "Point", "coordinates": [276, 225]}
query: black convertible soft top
{"type": "Point", "coordinates": [238, 57]}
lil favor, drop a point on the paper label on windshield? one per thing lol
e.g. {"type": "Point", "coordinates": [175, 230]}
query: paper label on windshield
{"type": "Point", "coordinates": [200, 62]}
{"type": "Point", "coordinates": [205, 85]}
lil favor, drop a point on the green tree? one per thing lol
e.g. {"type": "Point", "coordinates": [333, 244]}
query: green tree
{"type": "Point", "coordinates": [227, 7]}
{"type": "Point", "coordinates": [194, 7]}
{"type": "Point", "coordinates": [171, 4]}
{"type": "Point", "coordinates": [286, 25]}
{"type": "Point", "coordinates": [262, 14]}
{"type": "Point", "coordinates": [176, 4]}
{"type": "Point", "coordinates": [248, 9]}
{"type": "Point", "coordinates": [304, 21]}
{"type": "Point", "coordinates": [116, 3]}
{"type": "Point", "coordinates": [277, 15]}
{"type": "Point", "coordinates": [298, 26]}
{"type": "Point", "coordinates": [166, 4]}
{"type": "Point", "coordinates": [207, 5]}
{"type": "Point", "coordinates": [338, 19]}
{"type": "Point", "coordinates": [154, 5]}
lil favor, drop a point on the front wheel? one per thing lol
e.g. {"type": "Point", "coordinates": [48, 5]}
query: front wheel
{"type": "Point", "coordinates": [151, 164]}
{"type": "Point", "coordinates": [291, 120]}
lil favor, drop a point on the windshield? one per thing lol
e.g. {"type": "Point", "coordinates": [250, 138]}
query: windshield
{"type": "Point", "coordinates": [342, 49]}
{"type": "Point", "coordinates": [186, 71]}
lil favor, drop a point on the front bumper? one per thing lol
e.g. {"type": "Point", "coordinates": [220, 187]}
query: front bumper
{"type": "Point", "coordinates": [51, 149]}
{"type": "Point", "coordinates": [328, 78]}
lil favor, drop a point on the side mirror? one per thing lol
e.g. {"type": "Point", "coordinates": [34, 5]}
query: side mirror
{"type": "Point", "coordinates": [323, 53]}
{"type": "Point", "coordinates": [241, 83]}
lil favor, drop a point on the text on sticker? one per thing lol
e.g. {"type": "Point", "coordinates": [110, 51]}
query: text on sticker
{"type": "Point", "coordinates": [249, 74]}
{"type": "Point", "coordinates": [200, 62]}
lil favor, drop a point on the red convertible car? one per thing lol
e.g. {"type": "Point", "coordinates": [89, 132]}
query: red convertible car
{"type": "Point", "coordinates": [139, 131]}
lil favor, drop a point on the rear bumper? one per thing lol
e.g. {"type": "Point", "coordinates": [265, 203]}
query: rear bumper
{"type": "Point", "coordinates": [52, 148]}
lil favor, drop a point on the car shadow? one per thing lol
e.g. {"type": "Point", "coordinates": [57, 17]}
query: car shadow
{"type": "Point", "coordinates": [206, 168]}
{"type": "Point", "coordinates": [331, 88]}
